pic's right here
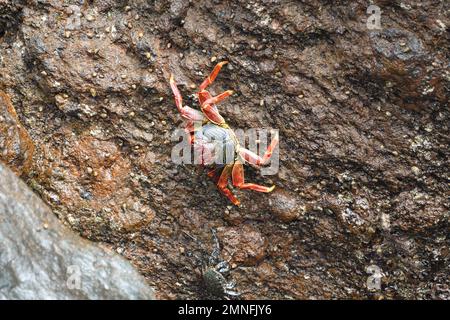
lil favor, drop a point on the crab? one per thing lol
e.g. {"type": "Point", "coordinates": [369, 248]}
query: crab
{"type": "Point", "coordinates": [214, 272]}
{"type": "Point", "coordinates": [216, 143]}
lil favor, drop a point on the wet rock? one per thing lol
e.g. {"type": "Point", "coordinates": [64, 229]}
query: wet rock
{"type": "Point", "coordinates": [416, 211]}
{"type": "Point", "coordinates": [96, 168]}
{"type": "Point", "coordinates": [284, 206]}
{"type": "Point", "coordinates": [41, 259]}
{"type": "Point", "coordinates": [292, 84]}
{"type": "Point", "coordinates": [358, 111]}
{"type": "Point", "coordinates": [243, 245]}
{"type": "Point", "coordinates": [16, 146]}
{"type": "Point", "coordinates": [177, 7]}
{"type": "Point", "coordinates": [404, 63]}
{"type": "Point", "coordinates": [8, 18]}
{"type": "Point", "coordinates": [397, 44]}
{"type": "Point", "coordinates": [134, 215]}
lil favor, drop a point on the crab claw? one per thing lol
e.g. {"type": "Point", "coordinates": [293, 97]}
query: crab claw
{"type": "Point", "coordinates": [210, 79]}
{"type": "Point", "coordinates": [218, 98]}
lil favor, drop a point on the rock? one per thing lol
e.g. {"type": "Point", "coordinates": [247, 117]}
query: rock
{"type": "Point", "coordinates": [397, 44]}
{"type": "Point", "coordinates": [416, 211]}
{"type": "Point", "coordinates": [243, 245]}
{"type": "Point", "coordinates": [356, 110]}
{"type": "Point", "coordinates": [42, 259]}
{"type": "Point", "coordinates": [134, 215]}
{"type": "Point", "coordinates": [292, 84]}
{"type": "Point", "coordinates": [177, 7]}
{"type": "Point", "coordinates": [404, 63]}
{"type": "Point", "coordinates": [9, 12]}
{"type": "Point", "coordinates": [284, 206]}
{"type": "Point", "coordinates": [16, 146]}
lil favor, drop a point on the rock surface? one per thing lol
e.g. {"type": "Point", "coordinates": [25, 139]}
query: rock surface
{"type": "Point", "coordinates": [41, 259]}
{"type": "Point", "coordinates": [362, 115]}
{"type": "Point", "coordinates": [16, 147]}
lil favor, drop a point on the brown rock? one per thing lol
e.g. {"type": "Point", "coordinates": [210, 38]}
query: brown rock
{"type": "Point", "coordinates": [292, 84]}
{"type": "Point", "coordinates": [16, 146]}
{"type": "Point", "coordinates": [284, 205]}
{"type": "Point", "coordinates": [336, 91]}
{"type": "Point", "coordinates": [243, 245]}
{"type": "Point", "coordinates": [416, 211]}
{"type": "Point", "coordinates": [134, 215]}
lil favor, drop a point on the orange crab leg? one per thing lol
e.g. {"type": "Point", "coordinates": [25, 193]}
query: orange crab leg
{"type": "Point", "coordinates": [218, 98]}
{"type": "Point", "coordinates": [238, 180]}
{"type": "Point", "coordinates": [213, 175]}
{"type": "Point", "coordinates": [253, 158]}
{"type": "Point", "coordinates": [212, 76]}
{"type": "Point", "coordinates": [222, 184]}
{"type": "Point", "coordinates": [208, 105]}
{"type": "Point", "coordinates": [186, 112]}
{"type": "Point", "coordinates": [212, 114]}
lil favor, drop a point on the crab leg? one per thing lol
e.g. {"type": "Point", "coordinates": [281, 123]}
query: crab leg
{"type": "Point", "coordinates": [218, 98]}
{"type": "Point", "coordinates": [216, 251]}
{"type": "Point", "coordinates": [222, 184]}
{"type": "Point", "coordinates": [212, 76]}
{"type": "Point", "coordinates": [223, 267]}
{"type": "Point", "coordinates": [253, 158]}
{"type": "Point", "coordinates": [207, 104]}
{"type": "Point", "coordinates": [212, 114]}
{"type": "Point", "coordinates": [214, 174]}
{"type": "Point", "coordinates": [186, 112]}
{"type": "Point", "coordinates": [232, 293]}
{"type": "Point", "coordinates": [210, 110]}
{"type": "Point", "coordinates": [238, 180]}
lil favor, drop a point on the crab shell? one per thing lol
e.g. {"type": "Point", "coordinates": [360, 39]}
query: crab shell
{"type": "Point", "coordinates": [214, 282]}
{"type": "Point", "coordinates": [216, 145]}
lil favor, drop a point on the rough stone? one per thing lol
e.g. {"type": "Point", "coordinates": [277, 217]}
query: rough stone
{"type": "Point", "coordinates": [356, 110]}
{"type": "Point", "coordinates": [16, 146]}
{"type": "Point", "coordinates": [284, 206]}
{"type": "Point", "coordinates": [243, 245]}
{"type": "Point", "coordinates": [42, 259]}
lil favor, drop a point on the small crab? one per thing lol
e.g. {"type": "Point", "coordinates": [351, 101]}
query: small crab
{"type": "Point", "coordinates": [216, 142]}
{"type": "Point", "coordinates": [214, 272]}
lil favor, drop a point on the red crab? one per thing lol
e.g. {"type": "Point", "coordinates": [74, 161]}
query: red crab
{"type": "Point", "coordinates": [214, 140]}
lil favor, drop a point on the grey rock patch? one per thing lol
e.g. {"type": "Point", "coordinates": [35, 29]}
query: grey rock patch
{"type": "Point", "coordinates": [42, 259]}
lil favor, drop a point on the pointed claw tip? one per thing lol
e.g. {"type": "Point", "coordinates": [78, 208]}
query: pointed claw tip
{"type": "Point", "coordinates": [171, 78]}
{"type": "Point", "coordinates": [271, 188]}
{"type": "Point", "coordinates": [223, 63]}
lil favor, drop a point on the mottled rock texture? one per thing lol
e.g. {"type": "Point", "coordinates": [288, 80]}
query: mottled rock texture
{"type": "Point", "coordinates": [363, 119]}
{"type": "Point", "coordinates": [16, 147]}
{"type": "Point", "coordinates": [42, 259]}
